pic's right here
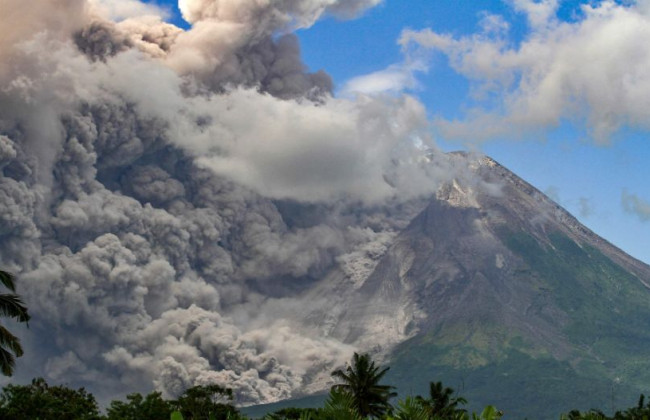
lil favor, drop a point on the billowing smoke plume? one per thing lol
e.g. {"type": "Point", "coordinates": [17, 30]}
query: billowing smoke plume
{"type": "Point", "coordinates": [169, 195]}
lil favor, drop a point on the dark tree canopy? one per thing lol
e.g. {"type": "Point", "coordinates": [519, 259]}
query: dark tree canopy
{"type": "Point", "coordinates": [203, 401]}
{"type": "Point", "coordinates": [292, 413]}
{"type": "Point", "coordinates": [137, 407]}
{"type": "Point", "coordinates": [41, 401]}
{"type": "Point", "coordinates": [361, 380]}
{"type": "Point", "coordinates": [441, 401]}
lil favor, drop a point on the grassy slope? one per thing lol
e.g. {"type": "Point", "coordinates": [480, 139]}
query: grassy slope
{"type": "Point", "coordinates": [609, 326]}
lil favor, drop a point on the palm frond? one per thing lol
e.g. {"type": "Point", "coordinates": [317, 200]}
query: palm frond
{"type": "Point", "coordinates": [361, 379]}
{"type": "Point", "coordinates": [341, 375]}
{"type": "Point", "coordinates": [410, 409]}
{"type": "Point", "coordinates": [7, 362]}
{"type": "Point", "coordinates": [12, 306]}
{"type": "Point", "coordinates": [10, 341]}
{"type": "Point", "coordinates": [8, 280]}
{"type": "Point", "coordinates": [340, 405]}
{"type": "Point", "coordinates": [381, 374]}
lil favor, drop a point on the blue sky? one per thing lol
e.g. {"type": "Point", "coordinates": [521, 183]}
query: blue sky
{"type": "Point", "coordinates": [600, 178]}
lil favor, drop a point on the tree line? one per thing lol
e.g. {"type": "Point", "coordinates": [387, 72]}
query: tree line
{"type": "Point", "coordinates": [359, 395]}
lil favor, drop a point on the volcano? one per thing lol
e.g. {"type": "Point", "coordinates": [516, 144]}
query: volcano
{"type": "Point", "coordinates": [500, 293]}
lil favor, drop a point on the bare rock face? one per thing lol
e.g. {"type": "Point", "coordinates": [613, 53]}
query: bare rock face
{"type": "Point", "coordinates": [495, 289]}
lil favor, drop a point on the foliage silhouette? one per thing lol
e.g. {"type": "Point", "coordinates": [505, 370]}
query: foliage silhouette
{"type": "Point", "coordinates": [361, 381]}
{"type": "Point", "coordinates": [137, 407]}
{"type": "Point", "coordinates": [206, 402]}
{"type": "Point", "coordinates": [410, 409]}
{"type": "Point", "coordinates": [12, 306]}
{"type": "Point", "coordinates": [489, 413]}
{"type": "Point", "coordinates": [342, 405]}
{"type": "Point", "coordinates": [293, 413]}
{"type": "Point", "coordinates": [44, 402]}
{"type": "Point", "coordinates": [441, 401]}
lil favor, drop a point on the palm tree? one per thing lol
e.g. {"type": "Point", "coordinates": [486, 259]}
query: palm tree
{"type": "Point", "coordinates": [410, 409]}
{"type": "Point", "coordinates": [12, 306]}
{"type": "Point", "coordinates": [340, 405]}
{"type": "Point", "coordinates": [441, 401]}
{"type": "Point", "coordinates": [361, 381]}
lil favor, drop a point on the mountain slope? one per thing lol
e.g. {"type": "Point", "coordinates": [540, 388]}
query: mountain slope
{"type": "Point", "coordinates": [495, 289]}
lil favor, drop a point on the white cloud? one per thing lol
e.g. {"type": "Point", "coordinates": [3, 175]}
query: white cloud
{"type": "Point", "coordinates": [271, 15]}
{"type": "Point", "coordinates": [635, 205]}
{"type": "Point", "coordinates": [540, 13]}
{"type": "Point", "coordinates": [117, 10]}
{"type": "Point", "coordinates": [593, 71]}
{"type": "Point", "coordinates": [341, 148]}
{"type": "Point", "coordinates": [394, 79]}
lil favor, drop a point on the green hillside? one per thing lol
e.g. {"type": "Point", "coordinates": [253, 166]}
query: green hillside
{"type": "Point", "coordinates": [607, 323]}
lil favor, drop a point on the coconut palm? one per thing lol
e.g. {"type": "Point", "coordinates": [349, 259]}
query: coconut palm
{"type": "Point", "coordinates": [491, 413]}
{"type": "Point", "coordinates": [441, 401]}
{"type": "Point", "coordinates": [12, 306]}
{"type": "Point", "coordinates": [410, 409]}
{"type": "Point", "coordinates": [340, 405]}
{"type": "Point", "coordinates": [361, 381]}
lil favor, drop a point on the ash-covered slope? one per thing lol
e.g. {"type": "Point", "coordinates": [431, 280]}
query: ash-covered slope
{"type": "Point", "coordinates": [497, 290]}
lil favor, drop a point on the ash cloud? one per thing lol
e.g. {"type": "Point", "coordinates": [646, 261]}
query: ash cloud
{"type": "Point", "coordinates": [232, 42]}
{"type": "Point", "coordinates": [169, 194]}
{"type": "Point", "coordinates": [99, 40]}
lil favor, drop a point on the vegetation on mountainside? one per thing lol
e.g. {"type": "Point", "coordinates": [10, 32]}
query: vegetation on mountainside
{"type": "Point", "coordinates": [596, 315]}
